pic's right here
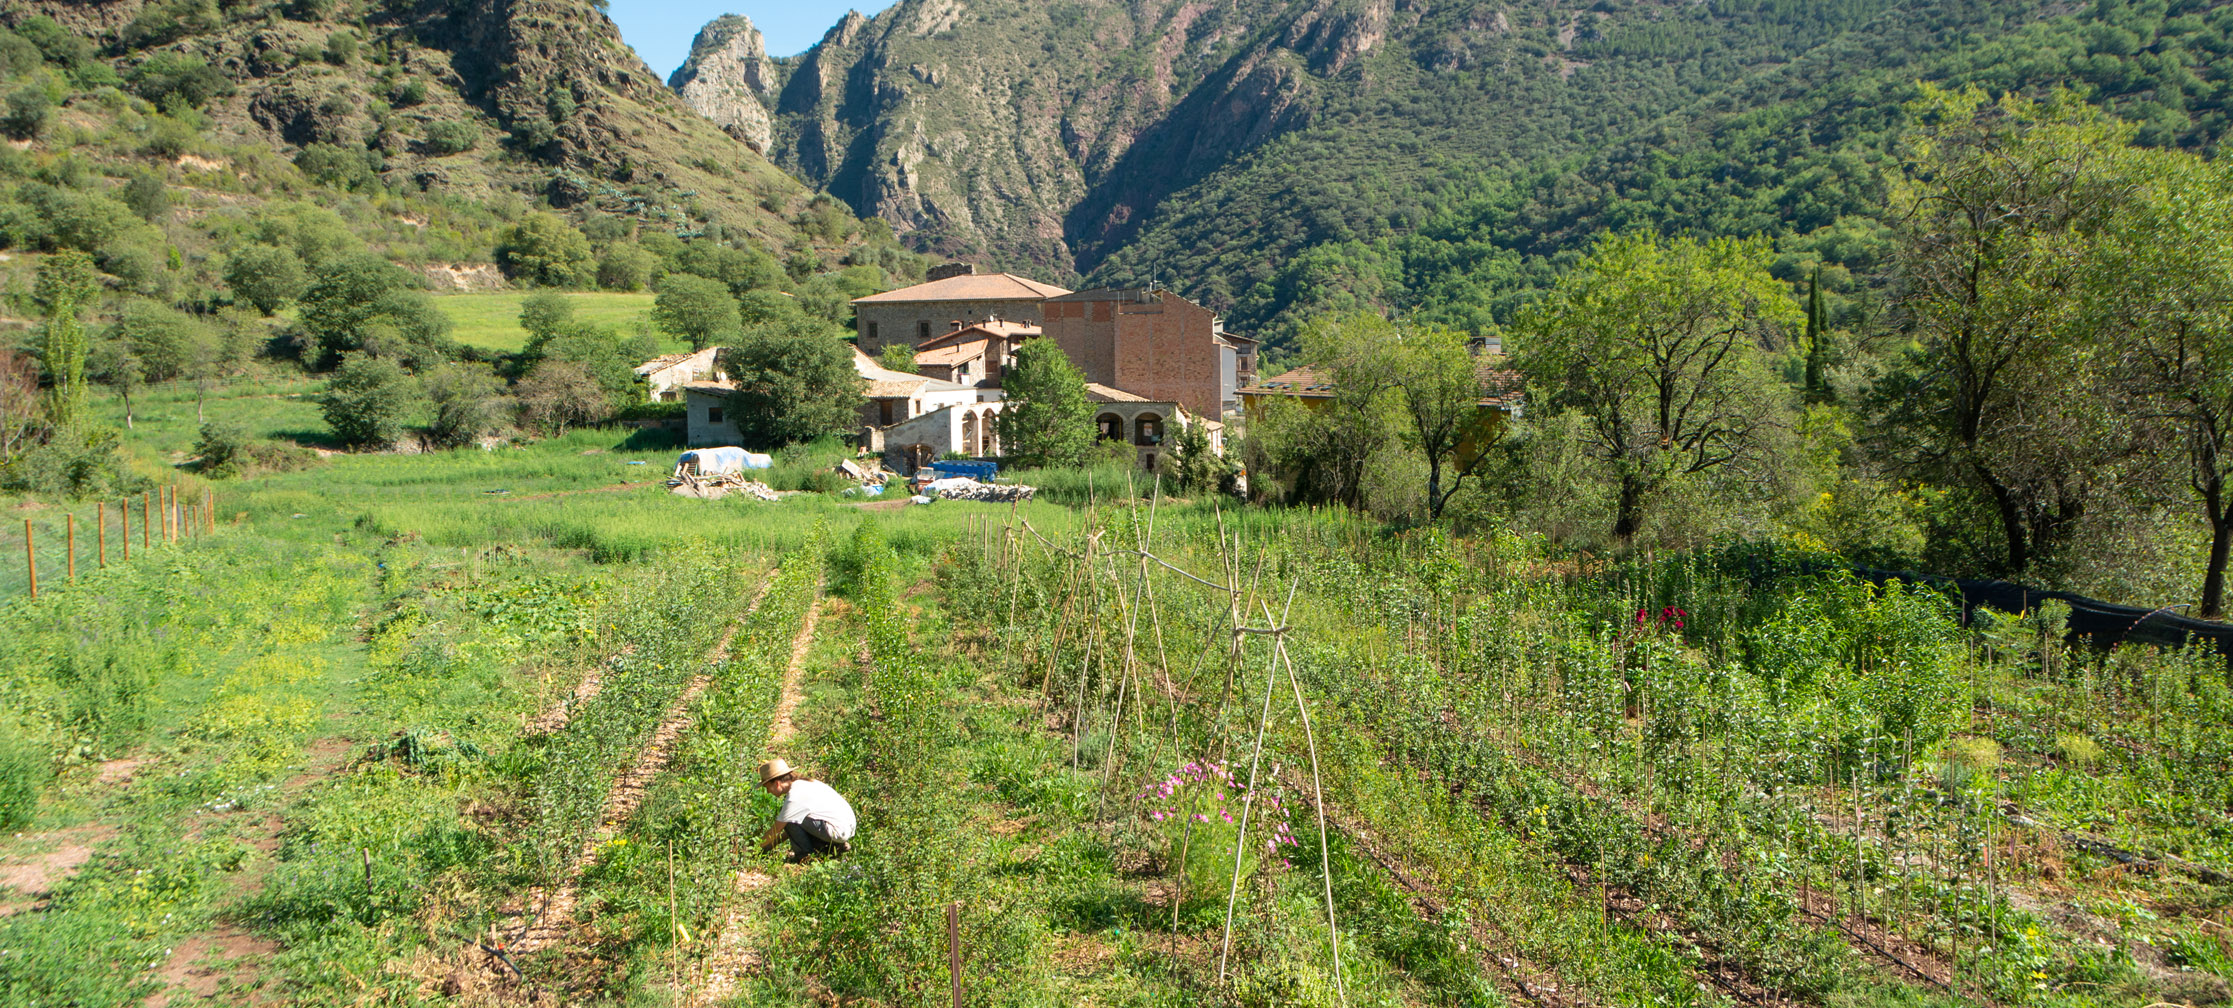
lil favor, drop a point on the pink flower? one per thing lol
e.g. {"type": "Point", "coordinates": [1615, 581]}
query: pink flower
{"type": "Point", "coordinates": [1199, 817]}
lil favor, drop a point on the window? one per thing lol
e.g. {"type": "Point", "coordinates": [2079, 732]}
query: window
{"type": "Point", "coordinates": [713, 414]}
{"type": "Point", "coordinates": [872, 334]}
{"type": "Point", "coordinates": [1147, 429]}
{"type": "Point", "coordinates": [1110, 426]}
{"type": "Point", "coordinates": [884, 412]}
{"type": "Point", "coordinates": [922, 331]}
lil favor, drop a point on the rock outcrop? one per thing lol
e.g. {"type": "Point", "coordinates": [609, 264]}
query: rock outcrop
{"type": "Point", "coordinates": [730, 80]}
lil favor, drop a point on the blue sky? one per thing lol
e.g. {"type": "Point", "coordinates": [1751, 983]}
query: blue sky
{"type": "Point", "coordinates": [661, 31]}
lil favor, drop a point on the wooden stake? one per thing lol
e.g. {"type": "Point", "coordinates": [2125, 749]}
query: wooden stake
{"type": "Point", "coordinates": [30, 558]}
{"type": "Point", "coordinates": [953, 948]}
{"type": "Point", "coordinates": [124, 525]}
{"type": "Point", "coordinates": [209, 510]}
{"type": "Point", "coordinates": [1318, 798]}
{"type": "Point", "coordinates": [147, 518]}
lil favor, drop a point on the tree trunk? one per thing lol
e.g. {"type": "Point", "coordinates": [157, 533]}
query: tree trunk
{"type": "Point", "coordinates": [1434, 487]}
{"type": "Point", "coordinates": [127, 411]}
{"type": "Point", "coordinates": [2011, 522]}
{"type": "Point", "coordinates": [2213, 582]}
{"type": "Point", "coordinates": [1625, 519]}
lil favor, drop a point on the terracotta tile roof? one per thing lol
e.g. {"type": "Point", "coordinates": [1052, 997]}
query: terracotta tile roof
{"type": "Point", "coordinates": [970, 287]}
{"type": "Point", "coordinates": [712, 388]}
{"type": "Point", "coordinates": [1500, 386]}
{"type": "Point", "coordinates": [885, 383]}
{"type": "Point", "coordinates": [953, 353]}
{"type": "Point", "coordinates": [1017, 331]}
{"type": "Point", "coordinates": [1103, 393]}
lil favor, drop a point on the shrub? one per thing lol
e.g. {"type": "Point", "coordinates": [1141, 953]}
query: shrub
{"type": "Point", "coordinates": [544, 249]}
{"type": "Point", "coordinates": [899, 357]}
{"type": "Point", "coordinates": [147, 196]}
{"type": "Point", "coordinates": [24, 768]}
{"type": "Point", "coordinates": [409, 92]}
{"type": "Point", "coordinates": [626, 268]}
{"type": "Point", "coordinates": [221, 449]}
{"type": "Point", "coordinates": [169, 80]}
{"type": "Point", "coordinates": [367, 400]}
{"type": "Point", "coordinates": [264, 276]}
{"type": "Point", "coordinates": [467, 404]}
{"type": "Point", "coordinates": [341, 167]}
{"type": "Point", "coordinates": [167, 137]}
{"type": "Point", "coordinates": [341, 47]}
{"type": "Point", "coordinates": [445, 137]}
{"type": "Point", "coordinates": [29, 108]}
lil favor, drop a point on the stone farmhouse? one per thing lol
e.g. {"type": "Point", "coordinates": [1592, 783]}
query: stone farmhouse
{"type": "Point", "coordinates": [1121, 416]}
{"type": "Point", "coordinates": [975, 353]}
{"type": "Point", "coordinates": [955, 294]}
{"type": "Point", "coordinates": [664, 376]}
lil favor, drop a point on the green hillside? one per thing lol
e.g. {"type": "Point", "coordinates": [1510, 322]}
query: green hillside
{"type": "Point", "coordinates": [1276, 160]}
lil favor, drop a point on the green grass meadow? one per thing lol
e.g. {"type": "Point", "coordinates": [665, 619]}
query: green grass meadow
{"type": "Point", "coordinates": [491, 321]}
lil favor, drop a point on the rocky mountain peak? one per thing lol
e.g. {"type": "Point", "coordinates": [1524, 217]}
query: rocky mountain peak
{"type": "Point", "coordinates": [729, 79]}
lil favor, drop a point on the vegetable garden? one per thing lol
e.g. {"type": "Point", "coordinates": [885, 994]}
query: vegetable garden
{"type": "Point", "coordinates": [391, 741]}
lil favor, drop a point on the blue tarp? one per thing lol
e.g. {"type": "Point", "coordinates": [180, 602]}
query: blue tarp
{"type": "Point", "coordinates": [982, 472]}
{"type": "Point", "coordinates": [713, 461]}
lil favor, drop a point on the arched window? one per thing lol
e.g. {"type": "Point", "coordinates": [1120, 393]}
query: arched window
{"type": "Point", "coordinates": [969, 434]}
{"type": "Point", "coordinates": [990, 432]}
{"type": "Point", "coordinates": [1147, 429]}
{"type": "Point", "coordinates": [1111, 426]}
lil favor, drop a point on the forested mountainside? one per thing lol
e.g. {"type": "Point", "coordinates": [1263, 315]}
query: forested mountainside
{"type": "Point", "coordinates": [1275, 158]}
{"type": "Point", "coordinates": [428, 128]}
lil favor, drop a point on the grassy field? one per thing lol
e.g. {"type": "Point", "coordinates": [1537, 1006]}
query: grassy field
{"type": "Point", "coordinates": [477, 727]}
{"type": "Point", "coordinates": [491, 321]}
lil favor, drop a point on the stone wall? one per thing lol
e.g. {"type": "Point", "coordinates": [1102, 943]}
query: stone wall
{"type": "Point", "coordinates": [911, 322]}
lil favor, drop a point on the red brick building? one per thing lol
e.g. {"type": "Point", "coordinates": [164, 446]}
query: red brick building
{"type": "Point", "coordinates": [1152, 343]}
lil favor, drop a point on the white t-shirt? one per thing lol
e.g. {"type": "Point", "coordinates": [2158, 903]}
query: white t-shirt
{"type": "Point", "coordinates": [815, 800]}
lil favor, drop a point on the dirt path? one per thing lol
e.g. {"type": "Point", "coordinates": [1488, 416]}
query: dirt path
{"type": "Point", "coordinates": [553, 913]}
{"type": "Point", "coordinates": [732, 957]}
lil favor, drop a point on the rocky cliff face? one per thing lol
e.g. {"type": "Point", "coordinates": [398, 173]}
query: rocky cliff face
{"type": "Point", "coordinates": [730, 80]}
{"type": "Point", "coordinates": [565, 110]}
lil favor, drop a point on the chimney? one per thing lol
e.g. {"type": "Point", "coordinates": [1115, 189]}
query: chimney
{"type": "Point", "coordinates": [945, 271]}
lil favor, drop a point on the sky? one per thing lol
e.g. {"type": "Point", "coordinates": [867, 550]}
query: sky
{"type": "Point", "coordinates": [661, 30]}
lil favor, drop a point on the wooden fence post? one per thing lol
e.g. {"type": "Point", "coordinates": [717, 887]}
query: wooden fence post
{"type": "Point", "coordinates": [147, 517]}
{"type": "Point", "coordinates": [30, 558]}
{"type": "Point", "coordinates": [70, 563]}
{"type": "Point", "coordinates": [209, 510]}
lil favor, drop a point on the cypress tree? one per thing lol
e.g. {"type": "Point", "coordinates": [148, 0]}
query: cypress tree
{"type": "Point", "coordinates": [1816, 323]}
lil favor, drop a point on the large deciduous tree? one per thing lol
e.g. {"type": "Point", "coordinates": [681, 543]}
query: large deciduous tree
{"type": "Point", "coordinates": [1661, 344]}
{"type": "Point", "coordinates": [365, 303]}
{"type": "Point", "coordinates": [795, 382]}
{"type": "Point", "coordinates": [2005, 393]}
{"type": "Point", "coordinates": [2164, 284]}
{"type": "Point", "coordinates": [1047, 420]}
{"type": "Point", "coordinates": [696, 309]}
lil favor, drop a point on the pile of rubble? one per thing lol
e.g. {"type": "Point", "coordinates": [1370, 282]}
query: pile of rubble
{"type": "Point", "coordinates": [720, 485]}
{"type": "Point", "coordinates": [964, 488]}
{"type": "Point", "coordinates": [867, 472]}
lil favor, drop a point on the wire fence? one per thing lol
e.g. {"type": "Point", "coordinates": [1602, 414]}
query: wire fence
{"type": "Point", "coordinates": [53, 548]}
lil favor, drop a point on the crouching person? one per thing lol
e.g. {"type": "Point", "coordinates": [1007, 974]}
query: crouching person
{"type": "Point", "coordinates": [815, 818]}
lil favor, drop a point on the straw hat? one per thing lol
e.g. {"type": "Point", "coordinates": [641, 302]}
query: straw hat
{"type": "Point", "coordinates": [773, 769]}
